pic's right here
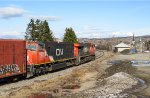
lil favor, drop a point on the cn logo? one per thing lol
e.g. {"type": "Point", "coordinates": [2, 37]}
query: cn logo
{"type": "Point", "coordinates": [59, 52]}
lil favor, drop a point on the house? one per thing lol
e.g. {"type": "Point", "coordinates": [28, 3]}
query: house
{"type": "Point", "coordinates": [122, 46]}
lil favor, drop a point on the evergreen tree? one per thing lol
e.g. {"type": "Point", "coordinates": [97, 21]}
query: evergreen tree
{"type": "Point", "coordinates": [46, 33]}
{"type": "Point", "coordinates": [70, 36]}
{"type": "Point", "coordinates": [147, 44]}
{"type": "Point", "coordinates": [38, 31]}
{"type": "Point", "coordinates": [30, 31]}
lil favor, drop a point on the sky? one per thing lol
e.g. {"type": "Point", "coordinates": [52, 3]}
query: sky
{"type": "Point", "coordinates": [88, 18]}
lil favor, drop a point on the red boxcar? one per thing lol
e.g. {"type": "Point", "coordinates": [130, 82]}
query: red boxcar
{"type": "Point", "coordinates": [12, 57]}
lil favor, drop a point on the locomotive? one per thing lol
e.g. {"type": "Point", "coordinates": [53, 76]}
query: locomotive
{"type": "Point", "coordinates": [19, 58]}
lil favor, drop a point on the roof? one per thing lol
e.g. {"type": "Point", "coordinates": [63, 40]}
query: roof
{"type": "Point", "coordinates": [122, 45]}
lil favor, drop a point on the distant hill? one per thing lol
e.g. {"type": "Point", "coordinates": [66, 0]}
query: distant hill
{"type": "Point", "coordinates": [114, 40]}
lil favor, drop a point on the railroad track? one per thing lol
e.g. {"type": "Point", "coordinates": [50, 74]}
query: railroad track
{"type": "Point", "coordinates": [7, 88]}
{"type": "Point", "coordinates": [99, 54]}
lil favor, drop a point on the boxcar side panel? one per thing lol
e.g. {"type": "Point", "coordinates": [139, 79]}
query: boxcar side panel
{"type": "Point", "coordinates": [12, 57]}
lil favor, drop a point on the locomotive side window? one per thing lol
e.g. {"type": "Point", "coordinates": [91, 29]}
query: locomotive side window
{"type": "Point", "coordinates": [49, 50]}
{"type": "Point", "coordinates": [93, 46]}
{"type": "Point", "coordinates": [40, 47]}
{"type": "Point", "coordinates": [31, 47]}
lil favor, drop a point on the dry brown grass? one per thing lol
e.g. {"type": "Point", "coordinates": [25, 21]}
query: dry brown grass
{"type": "Point", "coordinates": [72, 80]}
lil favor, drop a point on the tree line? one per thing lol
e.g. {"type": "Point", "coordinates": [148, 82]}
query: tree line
{"type": "Point", "coordinates": [147, 44]}
{"type": "Point", "coordinates": [38, 30]}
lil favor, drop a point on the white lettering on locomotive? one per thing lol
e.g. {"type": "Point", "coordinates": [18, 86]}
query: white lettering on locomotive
{"type": "Point", "coordinates": [59, 52]}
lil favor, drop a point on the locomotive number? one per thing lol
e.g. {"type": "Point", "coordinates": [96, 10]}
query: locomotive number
{"type": "Point", "coordinates": [59, 52]}
{"type": "Point", "coordinates": [9, 68]}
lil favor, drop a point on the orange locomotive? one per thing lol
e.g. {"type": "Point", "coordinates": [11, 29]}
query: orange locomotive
{"type": "Point", "coordinates": [35, 58]}
{"type": "Point", "coordinates": [44, 57]}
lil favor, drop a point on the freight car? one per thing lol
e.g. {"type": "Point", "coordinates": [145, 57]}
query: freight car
{"type": "Point", "coordinates": [12, 58]}
{"type": "Point", "coordinates": [21, 58]}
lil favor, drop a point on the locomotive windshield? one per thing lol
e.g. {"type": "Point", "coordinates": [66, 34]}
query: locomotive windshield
{"type": "Point", "coordinates": [31, 47]}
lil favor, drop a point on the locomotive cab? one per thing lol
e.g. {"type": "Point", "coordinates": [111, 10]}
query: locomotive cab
{"type": "Point", "coordinates": [37, 58]}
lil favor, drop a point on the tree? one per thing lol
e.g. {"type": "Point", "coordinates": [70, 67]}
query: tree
{"type": "Point", "coordinates": [147, 44]}
{"type": "Point", "coordinates": [38, 28]}
{"type": "Point", "coordinates": [46, 33]}
{"type": "Point", "coordinates": [30, 31]}
{"type": "Point", "coordinates": [70, 36]}
{"type": "Point", "coordinates": [38, 31]}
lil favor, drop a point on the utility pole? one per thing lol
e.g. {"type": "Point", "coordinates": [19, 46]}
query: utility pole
{"type": "Point", "coordinates": [141, 44]}
{"type": "Point", "coordinates": [133, 41]}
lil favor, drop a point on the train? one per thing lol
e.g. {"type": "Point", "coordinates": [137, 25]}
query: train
{"type": "Point", "coordinates": [20, 58]}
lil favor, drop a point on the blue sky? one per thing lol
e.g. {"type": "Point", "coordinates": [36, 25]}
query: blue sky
{"type": "Point", "coordinates": [89, 19]}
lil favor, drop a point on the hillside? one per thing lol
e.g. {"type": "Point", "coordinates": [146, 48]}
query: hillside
{"type": "Point", "coordinates": [114, 40]}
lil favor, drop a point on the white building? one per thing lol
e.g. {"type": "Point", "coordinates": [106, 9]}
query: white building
{"type": "Point", "coordinates": [122, 46]}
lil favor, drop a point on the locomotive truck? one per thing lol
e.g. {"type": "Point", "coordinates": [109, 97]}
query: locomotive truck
{"type": "Point", "coordinates": [19, 58]}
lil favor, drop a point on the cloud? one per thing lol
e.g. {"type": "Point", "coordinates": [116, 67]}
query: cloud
{"type": "Point", "coordinates": [88, 32]}
{"type": "Point", "coordinates": [129, 34]}
{"type": "Point", "coordinates": [9, 12]}
{"type": "Point", "coordinates": [88, 35]}
{"type": "Point", "coordinates": [121, 34]}
{"type": "Point", "coordinates": [48, 18]}
{"type": "Point", "coordinates": [12, 34]}
{"type": "Point", "coordinates": [92, 32]}
{"type": "Point", "coordinates": [90, 29]}
{"type": "Point", "coordinates": [13, 11]}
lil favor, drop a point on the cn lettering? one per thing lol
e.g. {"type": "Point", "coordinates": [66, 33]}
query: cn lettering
{"type": "Point", "coordinates": [59, 52]}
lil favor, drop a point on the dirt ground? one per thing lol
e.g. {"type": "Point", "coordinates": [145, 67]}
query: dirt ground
{"type": "Point", "coordinates": [138, 56]}
{"type": "Point", "coordinates": [78, 79]}
{"type": "Point", "coordinates": [88, 78]}
{"type": "Point", "coordinates": [143, 72]}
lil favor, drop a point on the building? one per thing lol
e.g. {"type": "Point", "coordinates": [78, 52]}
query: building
{"type": "Point", "coordinates": [122, 46]}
